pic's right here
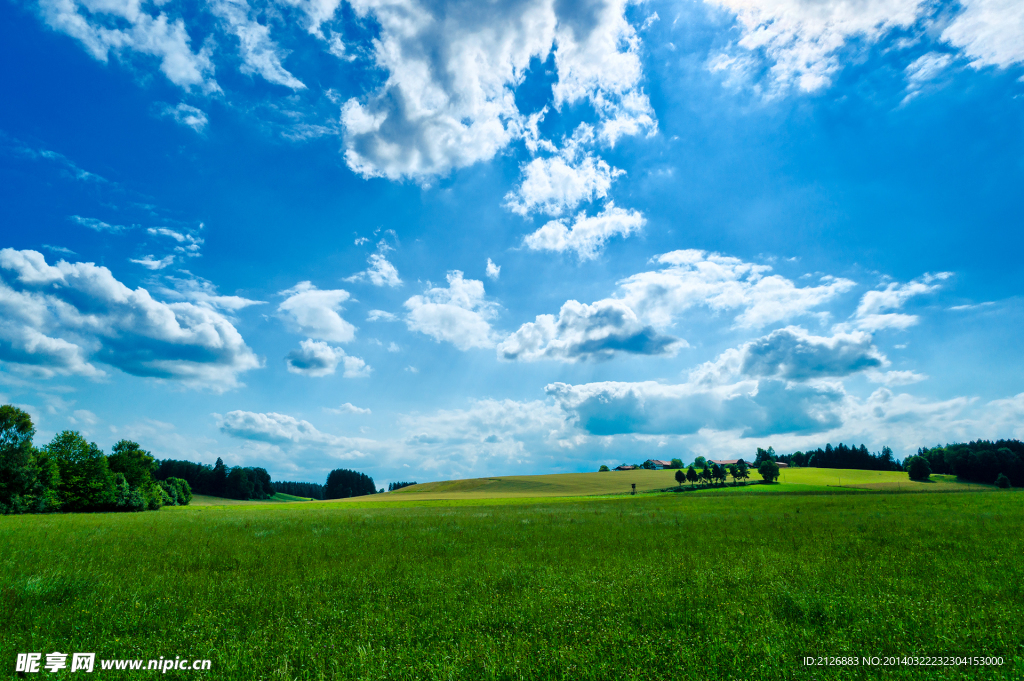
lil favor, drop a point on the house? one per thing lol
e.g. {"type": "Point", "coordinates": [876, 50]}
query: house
{"type": "Point", "coordinates": [625, 467]}
{"type": "Point", "coordinates": [657, 464]}
{"type": "Point", "coordinates": [729, 462]}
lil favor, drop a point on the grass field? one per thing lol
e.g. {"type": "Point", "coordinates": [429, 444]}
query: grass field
{"type": "Point", "coordinates": [673, 586]}
{"type": "Point", "coordinates": [619, 482]}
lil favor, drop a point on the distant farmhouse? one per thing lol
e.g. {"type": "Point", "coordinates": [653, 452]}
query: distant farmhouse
{"type": "Point", "coordinates": [625, 467]}
{"type": "Point", "coordinates": [730, 462]}
{"type": "Point", "coordinates": [657, 464]}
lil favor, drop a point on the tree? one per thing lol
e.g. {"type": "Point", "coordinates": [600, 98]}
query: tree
{"type": "Point", "coordinates": [742, 469]}
{"type": "Point", "coordinates": [918, 468]}
{"type": "Point", "coordinates": [700, 462]}
{"type": "Point", "coordinates": [691, 476]}
{"type": "Point", "coordinates": [603, 469]}
{"type": "Point", "coordinates": [135, 463]}
{"type": "Point", "coordinates": [764, 455]}
{"type": "Point", "coordinates": [734, 471]}
{"type": "Point", "coordinates": [86, 483]}
{"type": "Point", "coordinates": [705, 475]}
{"type": "Point", "coordinates": [680, 476]}
{"type": "Point", "coordinates": [676, 463]}
{"type": "Point", "coordinates": [718, 473]}
{"type": "Point", "coordinates": [769, 470]}
{"type": "Point", "coordinates": [17, 464]}
{"type": "Point", "coordinates": [219, 479]}
{"type": "Point", "coordinates": [1002, 481]}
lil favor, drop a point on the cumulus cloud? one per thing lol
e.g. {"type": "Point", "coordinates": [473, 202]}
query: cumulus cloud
{"type": "Point", "coordinates": [189, 116]}
{"type": "Point", "coordinates": [348, 408]}
{"type": "Point", "coordinates": [316, 358]}
{"type": "Point", "coordinates": [315, 313]}
{"type": "Point", "coordinates": [457, 314]}
{"type": "Point", "coordinates": [380, 315]}
{"type": "Point", "coordinates": [124, 28]}
{"type": "Point", "coordinates": [188, 244]}
{"type": "Point", "coordinates": [587, 236]}
{"type": "Point", "coordinates": [794, 354]}
{"type": "Point", "coordinates": [756, 408]}
{"type": "Point", "coordinates": [260, 54]}
{"type": "Point", "coordinates": [646, 304]}
{"type": "Point", "coordinates": [876, 310]}
{"type": "Point", "coordinates": [379, 273]}
{"type": "Point", "coordinates": [201, 291]}
{"type": "Point", "coordinates": [558, 183]}
{"type": "Point", "coordinates": [69, 317]}
{"type": "Point", "coordinates": [493, 271]}
{"type": "Point", "coordinates": [582, 332]}
{"type": "Point", "coordinates": [282, 429]}
{"type": "Point", "coordinates": [448, 100]}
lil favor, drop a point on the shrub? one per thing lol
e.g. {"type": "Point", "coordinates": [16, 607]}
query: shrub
{"type": "Point", "coordinates": [603, 469]}
{"type": "Point", "coordinates": [1002, 481]}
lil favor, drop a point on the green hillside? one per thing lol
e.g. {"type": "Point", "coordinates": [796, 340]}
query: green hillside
{"type": "Point", "coordinates": [619, 482]}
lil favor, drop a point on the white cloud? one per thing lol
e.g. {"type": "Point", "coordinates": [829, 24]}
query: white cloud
{"type": "Point", "coordinates": [124, 27]}
{"type": "Point", "coordinates": [150, 263]}
{"type": "Point", "coordinates": [188, 244]}
{"type": "Point", "coordinates": [990, 32]}
{"type": "Point", "coordinates": [66, 318]}
{"type": "Point", "coordinates": [695, 278]}
{"type": "Point", "coordinates": [583, 332]}
{"type": "Point", "coordinates": [282, 429]}
{"type": "Point", "coordinates": [379, 273]}
{"type": "Point", "coordinates": [348, 408]}
{"type": "Point", "coordinates": [198, 290]}
{"type": "Point", "coordinates": [449, 101]}
{"type": "Point", "coordinates": [924, 70]}
{"type": "Point", "coordinates": [260, 54]}
{"type": "Point", "coordinates": [891, 378]}
{"type": "Point", "coordinates": [315, 313]}
{"type": "Point", "coordinates": [458, 314]}
{"type": "Point", "coordinates": [586, 236]}
{"type": "Point", "coordinates": [493, 271]}
{"type": "Point", "coordinates": [375, 315]}
{"type": "Point", "coordinates": [645, 304]}
{"type": "Point", "coordinates": [876, 308]}
{"type": "Point", "coordinates": [187, 115]}
{"type": "Point", "coordinates": [393, 347]}
{"type": "Point", "coordinates": [97, 225]}
{"type": "Point", "coordinates": [802, 39]}
{"type": "Point", "coordinates": [59, 249]}
{"type": "Point", "coordinates": [561, 182]}
{"type": "Point", "coordinates": [755, 407]}
{"type": "Point", "coordinates": [316, 358]}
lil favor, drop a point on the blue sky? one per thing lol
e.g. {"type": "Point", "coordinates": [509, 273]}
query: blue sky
{"type": "Point", "coordinates": [430, 240]}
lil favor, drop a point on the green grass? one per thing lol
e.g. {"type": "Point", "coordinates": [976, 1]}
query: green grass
{"type": "Point", "coordinates": [672, 586]}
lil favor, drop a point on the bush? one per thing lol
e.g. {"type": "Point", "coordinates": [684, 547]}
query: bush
{"type": "Point", "coordinates": [603, 469]}
{"type": "Point", "coordinates": [919, 468]}
{"type": "Point", "coordinates": [1002, 481]}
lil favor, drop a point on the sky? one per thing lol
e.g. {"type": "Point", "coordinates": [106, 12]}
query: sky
{"type": "Point", "coordinates": [430, 240]}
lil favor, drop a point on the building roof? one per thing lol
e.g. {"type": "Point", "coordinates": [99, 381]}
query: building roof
{"type": "Point", "coordinates": [625, 467]}
{"type": "Point", "coordinates": [726, 462]}
{"type": "Point", "coordinates": [660, 462]}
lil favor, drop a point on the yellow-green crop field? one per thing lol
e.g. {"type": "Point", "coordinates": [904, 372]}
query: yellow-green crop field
{"type": "Point", "coordinates": [619, 482]}
{"type": "Point", "coordinates": [699, 585]}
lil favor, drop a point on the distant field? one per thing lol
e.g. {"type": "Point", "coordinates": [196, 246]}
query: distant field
{"type": "Point", "coordinates": [204, 500]}
{"type": "Point", "coordinates": [674, 586]}
{"type": "Point", "coordinates": [619, 482]}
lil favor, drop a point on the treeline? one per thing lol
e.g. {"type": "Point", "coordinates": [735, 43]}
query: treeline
{"type": "Point", "coordinates": [978, 461]}
{"type": "Point", "coordinates": [310, 490]}
{"type": "Point", "coordinates": [392, 486]}
{"type": "Point", "coordinates": [71, 474]}
{"type": "Point", "coordinates": [839, 456]}
{"type": "Point", "coordinates": [343, 483]}
{"type": "Point", "coordinates": [218, 480]}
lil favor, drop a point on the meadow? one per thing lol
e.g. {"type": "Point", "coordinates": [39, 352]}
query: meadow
{"type": "Point", "coordinates": [653, 586]}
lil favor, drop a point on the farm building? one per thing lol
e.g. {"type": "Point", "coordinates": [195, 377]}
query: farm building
{"type": "Point", "coordinates": [625, 467]}
{"type": "Point", "coordinates": [657, 464]}
{"type": "Point", "coordinates": [730, 462]}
